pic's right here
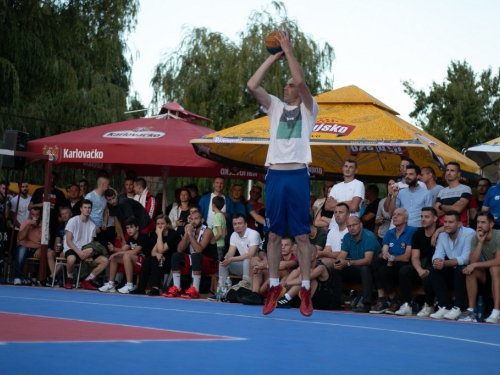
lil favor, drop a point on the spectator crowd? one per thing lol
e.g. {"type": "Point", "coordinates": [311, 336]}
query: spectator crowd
{"type": "Point", "coordinates": [441, 241]}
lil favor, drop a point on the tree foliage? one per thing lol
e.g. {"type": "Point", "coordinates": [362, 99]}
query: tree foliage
{"type": "Point", "coordinates": [462, 111]}
{"type": "Point", "coordinates": [64, 60]}
{"type": "Point", "coordinates": [208, 72]}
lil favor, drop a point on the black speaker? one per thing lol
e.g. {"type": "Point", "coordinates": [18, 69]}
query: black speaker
{"type": "Point", "coordinates": [16, 141]}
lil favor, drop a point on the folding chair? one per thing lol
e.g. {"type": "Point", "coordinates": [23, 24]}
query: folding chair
{"type": "Point", "coordinates": [61, 261]}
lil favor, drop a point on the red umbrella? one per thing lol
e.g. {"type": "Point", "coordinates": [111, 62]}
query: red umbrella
{"type": "Point", "coordinates": [152, 146]}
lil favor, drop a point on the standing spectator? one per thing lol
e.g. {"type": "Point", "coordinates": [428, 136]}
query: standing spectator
{"type": "Point", "coordinates": [323, 217]}
{"type": "Point", "coordinates": [206, 201]}
{"type": "Point", "coordinates": [22, 212]}
{"type": "Point", "coordinates": [412, 198]}
{"type": "Point", "coordinates": [255, 195]}
{"type": "Point", "coordinates": [194, 198]}
{"type": "Point", "coordinates": [99, 214]}
{"type": "Point", "coordinates": [57, 199]}
{"type": "Point", "coordinates": [129, 188]}
{"type": "Point", "coordinates": [383, 220]}
{"type": "Point", "coordinates": [483, 186]}
{"type": "Point", "coordinates": [180, 211]}
{"type": "Point", "coordinates": [74, 200]}
{"type": "Point", "coordinates": [455, 197]}
{"type": "Point", "coordinates": [144, 197]}
{"type": "Point", "coordinates": [492, 202]}
{"type": "Point", "coordinates": [428, 177]}
{"type": "Point", "coordinates": [351, 191]}
{"type": "Point", "coordinates": [240, 206]}
{"type": "Point", "coordinates": [84, 186]}
{"type": "Point", "coordinates": [219, 227]}
{"type": "Point", "coordinates": [369, 216]}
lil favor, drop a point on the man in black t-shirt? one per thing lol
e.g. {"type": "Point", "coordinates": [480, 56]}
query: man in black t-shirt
{"type": "Point", "coordinates": [421, 262]}
{"type": "Point", "coordinates": [131, 256]}
{"type": "Point", "coordinates": [123, 208]}
{"type": "Point", "coordinates": [370, 213]}
{"type": "Point", "coordinates": [57, 199]}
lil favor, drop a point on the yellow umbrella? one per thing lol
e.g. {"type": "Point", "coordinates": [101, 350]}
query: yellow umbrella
{"type": "Point", "coordinates": [351, 124]}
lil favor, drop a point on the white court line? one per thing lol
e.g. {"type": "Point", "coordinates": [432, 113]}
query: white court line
{"type": "Point", "coordinates": [267, 318]}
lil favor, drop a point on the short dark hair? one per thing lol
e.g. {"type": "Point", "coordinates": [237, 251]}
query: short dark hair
{"type": "Point", "coordinates": [193, 187]}
{"type": "Point", "coordinates": [84, 180]}
{"type": "Point", "coordinates": [34, 208]}
{"type": "Point", "coordinates": [455, 164]}
{"type": "Point", "coordinates": [373, 188]}
{"type": "Point", "coordinates": [432, 210]}
{"type": "Point", "coordinates": [431, 170]}
{"type": "Point", "coordinates": [453, 213]}
{"type": "Point", "coordinates": [65, 208]}
{"type": "Point", "coordinates": [109, 193]}
{"type": "Point", "coordinates": [489, 216]}
{"type": "Point", "coordinates": [131, 221]}
{"type": "Point", "coordinates": [87, 201]}
{"type": "Point", "coordinates": [141, 182]}
{"type": "Point", "coordinates": [218, 202]}
{"type": "Point", "coordinates": [415, 167]}
{"type": "Point", "coordinates": [288, 238]}
{"type": "Point", "coordinates": [343, 204]}
{"type": "Point", "coordinates": [351, 161]}
{"type": "Point", "coordinates": [487, 180]}
{"type": "Point", "coordinates": [237, 216]}
{"type": "Point", "coordinates": [405, 158]}
{"type": "Point", "coordinates": [130, 178]}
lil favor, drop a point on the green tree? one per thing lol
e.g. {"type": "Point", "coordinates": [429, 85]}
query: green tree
{"type": "Point", "coordinates": [208, 72]}
{"type": "Point", "coordinates": [65, 61]}
{"type": "Point", "coordinates": [462, 111]}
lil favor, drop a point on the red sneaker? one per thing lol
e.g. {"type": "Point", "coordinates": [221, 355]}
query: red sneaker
{"type": "Point", "coordinates": [273, 295]}
{"type": "Point", "coordinates": [172, 292]}
{"type": "Point", "coordinates": [69, 283]}
{"type": "Point", "coordinates": [306, 307]}
{"type": "Point", "coordinates": [191, 293]}
{"type": "Point", "coordinates": [85, 284]}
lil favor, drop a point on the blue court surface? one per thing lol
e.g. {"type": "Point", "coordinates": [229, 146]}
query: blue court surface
{"type": "Point", "coordinates": [124, 334]}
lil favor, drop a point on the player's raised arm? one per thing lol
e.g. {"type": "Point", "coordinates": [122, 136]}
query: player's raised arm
{"type": "Point", "coordinates": [254, 82]}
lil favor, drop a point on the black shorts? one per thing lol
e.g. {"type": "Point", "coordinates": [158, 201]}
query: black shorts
{"type": "Point", "coordinates": [72, 252]}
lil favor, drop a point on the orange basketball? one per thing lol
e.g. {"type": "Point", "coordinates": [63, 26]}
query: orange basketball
{"type": "Point", "coordinates": [272, 45]}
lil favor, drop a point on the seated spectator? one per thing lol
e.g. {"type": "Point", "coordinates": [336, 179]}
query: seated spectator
{"type": "Point", "coordinates": [359, 248]}
{"type": "Point", "coordinates": [197, 252]}
{"type": "Point", "coordinates": [450, 258]}
{"type": "Point", "coordinates": [335, 236]}
{"type": "Point", "coordinates": [66, 214]}
{"type": "Point", "coordinates": [417, 273]}
{"type": "Point", "coordinates": [260, 277]}
{"type": "Point", "coordinates": [485, 244]}
{"type": "Point", "coordinates": [122, 208]}
{"type": "Point", "coordinates": [180, 211]}
{"type": "Point", "coordinates": [321, 201]}
{"type": "Point", "coordinates": [80, 231]}
{"type": "Point", "coordinates": [396, 253]}
{"type": "Point", "coordinates": [30, 241]}
{"type": "Point", "coordinates": [245, 241]}
{"type": "Point", "coordinates": [370, 212]}
{"type": "Point", "coordinates": [131, 256]}
{"type": "Point", "coordinates": [324, 217]}
{"type": "Point", "coordinates": [167, 240]}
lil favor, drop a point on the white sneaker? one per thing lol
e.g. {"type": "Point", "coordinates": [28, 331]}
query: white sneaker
{"type": "Point", "coordinates": [453, 314]}
{"type": "Point", "coordinates": [17, 281]}
{"type": "Point", "coordinates": [493, 319]}
{"type": "Point", "coordinates": [126, 289]}
{"type": "Point", "coordinates": [405, 310]}
{"type": "Point", "coordinates": [107, 288]}
{"type": "Point", "coordinates": [426, 311]}
{"type": "Point", "coordinates": [440, 313]}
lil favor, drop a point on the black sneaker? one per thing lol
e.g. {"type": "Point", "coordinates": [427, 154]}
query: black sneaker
{"type": "Point", "coordinates": [380, 308]}
{"type": "Point", "coordinates": [212, 298]}
{"type": "Point", "coordinates": [365, 308]}
{"type": "Point", "coordinates": [154, 292]}
{"type": "Point", "coordinates": [283, 303]}
{"type": "Point", "coordinates": [47, 282]}
{"type": "Point", "coordinates": [253, 299]}
{"type": "Point", "coordinates": [141, 292]}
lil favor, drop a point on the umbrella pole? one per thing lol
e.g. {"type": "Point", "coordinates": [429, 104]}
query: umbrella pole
{"type": "Point", "coordinates": [164, 197]}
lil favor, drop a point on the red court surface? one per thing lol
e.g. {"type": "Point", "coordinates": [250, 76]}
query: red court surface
{"type": "Point", "coordinates": [32, 329]}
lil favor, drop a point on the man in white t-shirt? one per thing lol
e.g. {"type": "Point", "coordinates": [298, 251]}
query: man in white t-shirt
{"type": "Point", "coordinates": [288, 189]}
{"type": "Point", "coordinates": [246, 241]}
{"type": "Point", "coordinates": [22, 213]}
{"type": "Point", "coordinates": [335, 235]}
{"type": "Point", "coordinates": [350, 191]}
{"type": "Point", "coordinates": [80, 231]}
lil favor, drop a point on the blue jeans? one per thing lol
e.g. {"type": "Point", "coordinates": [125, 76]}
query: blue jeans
{"type": "Point", "coordinates": [23, 252]}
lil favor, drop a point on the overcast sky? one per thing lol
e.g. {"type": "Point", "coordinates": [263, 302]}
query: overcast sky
{"type": "Point", "coordinates": [378, 44]}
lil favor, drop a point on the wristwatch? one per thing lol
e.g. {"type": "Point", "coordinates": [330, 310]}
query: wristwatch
{"type": "Point", "coordinates": [348, 263]}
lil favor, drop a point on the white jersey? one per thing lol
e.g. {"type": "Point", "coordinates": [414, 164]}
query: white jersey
{"type": "Point", "coordinates": [289, 132]}
{"type": "Point", "coordinates": [343, 192]}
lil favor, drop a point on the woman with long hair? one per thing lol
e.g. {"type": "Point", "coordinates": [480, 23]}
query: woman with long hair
{"type": "Point", "coordinates": [180, 211]}
{"type": "Point", "coordinates": [166, 243]}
